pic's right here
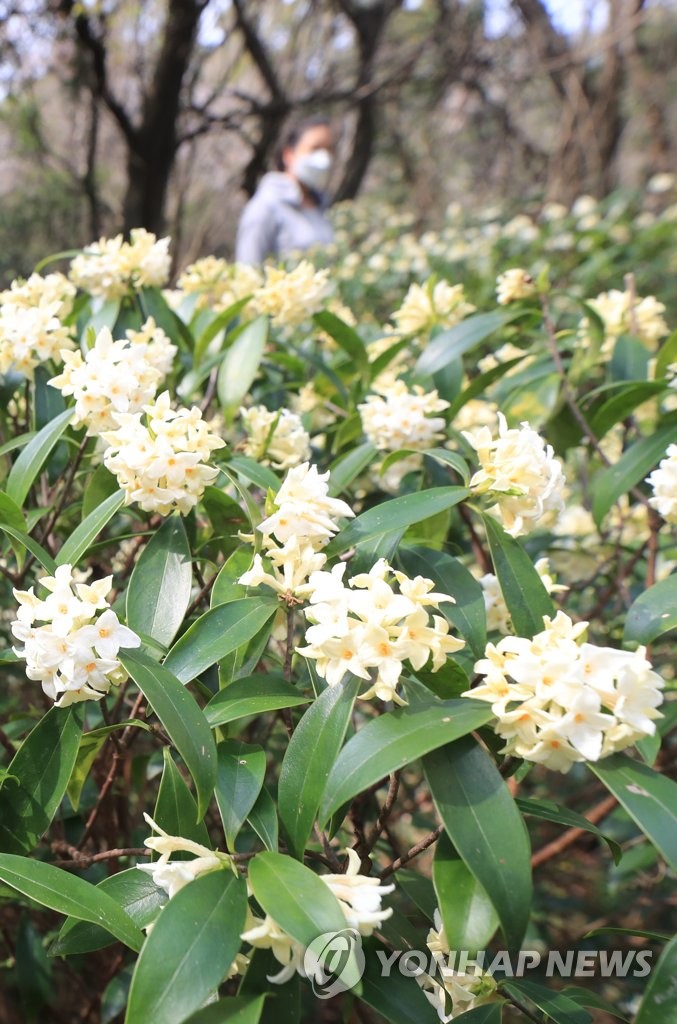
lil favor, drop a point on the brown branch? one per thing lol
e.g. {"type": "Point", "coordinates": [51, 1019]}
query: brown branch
{"type": "Point", "coordinates": [420, 847]}
{"type": "Point", "coordinates": [572, 835]}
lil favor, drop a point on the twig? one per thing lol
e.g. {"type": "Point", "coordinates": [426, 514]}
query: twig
{"type": "Point", "coordinates": [197, 601]}
{"type": "Point", "coordinates": [427, 841]}
{"type": "Point", "coordinates": [480, 554]}
{"type": "Point", "coordinates": [572, 835]}
{"type": "Point", "coordinates": [59, 507]}
{"type": "Point", "coordinates": [385, 811]}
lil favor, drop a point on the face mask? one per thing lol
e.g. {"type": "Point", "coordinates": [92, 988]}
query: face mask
{"type": "Point", "coordinates": [313, 169]}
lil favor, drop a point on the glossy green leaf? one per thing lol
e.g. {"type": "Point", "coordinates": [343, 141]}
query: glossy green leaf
{"type": "Point", "coordinates": [69, 895]}
{"type": "Point", "coordinates": [235, 1010]}
{"type": "Point", "coordinates": [153, 303]}
{"type": "Point", "coordinates": [649, 798]}
{"type": "Point", "coordinates": [584, 997]}
{"type": "Point", "coordinates": [175, 808]}
{"type": "Point", "coordinates": [241, 363]}
{"type": "Point", "coordinates": [193, 943]}
{"type": "Point", "coordinates": [252, 696]}
{"type": "Point", "coordinates": [294, 896]}
{"type": "Point", "coordinates": [522, 588]}
{"type": "Point", "coordinates": [10, 513]}
{"type": "Point", "coordinates": [398, 999]}
{"type": "Point", "coordinates": [555, 1005]}
{"type": "Point", "coordinates": [220, 322]}
{"type": "Point", "coordinates": [283, 1002]}
{"type": "Point", "coordinates": [159, 589]}
{"type": "Point", "coordinates": [451, 344]}
{"type": "Point", "coordinates": [90, 744]}
{"type": "Point", "coordinates": [253, 472]}
{"type": "Point", "coordinates": [218, 632]}
{"type": "Point", "coordinates": [137, 894]}
{"type": "Point", "coordinates": [487, 830]}
{"type": "Point", "coordinates": [395, 739]}
{"type": "Point", "coordinates": [653, 613]}
{"type": "Point", "coordinates": [379, 529]}
{"type": "Point", "coordinates": [348, 467]}
{"type": "Point", "coordinates": [38, 552]}
{"type": "Point", "coordinates": [440, 455]}
{"type": "Point", "coordinates": [42, 767]}
{"type": "Point", "coordinates": [263, 819]}
{"type": "Point", "coordinates": [622, 404]}
{"type": "Point", "coordinates": [451, 577]}
{"type": "Point", "coordinates": [632, 467]}
{"type": "Point", "coordinates": [240, 775]}
{"type": "Point", "coordinates": [546, 810]}
{"type": "Point", "coordinates": [344, 335]}
{"type": "Point", "coordinates": [76, 544]}
{"type": "Point", "coordinates": [312, 751]}
{"type": "Point", "coordinates": [659, 1005]}
{"type": "Point", "coordinates": [468, 915]}
{"type": "Point", "coordinates": [226, 588]}
{"type": "Point", "coordinates": [183, 720]}
{"type": "Point", "coordinates": [33, 457]}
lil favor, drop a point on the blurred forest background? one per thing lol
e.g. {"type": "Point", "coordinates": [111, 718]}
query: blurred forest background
{"type": "Point", "coordinates": [165, 113]}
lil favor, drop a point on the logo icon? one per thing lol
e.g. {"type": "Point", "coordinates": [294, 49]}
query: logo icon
{"type": "Point", "coordinates": [334, 962]}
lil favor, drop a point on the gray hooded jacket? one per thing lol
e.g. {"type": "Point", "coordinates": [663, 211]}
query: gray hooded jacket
{"type": "Point", "coordinates": [275, 222]}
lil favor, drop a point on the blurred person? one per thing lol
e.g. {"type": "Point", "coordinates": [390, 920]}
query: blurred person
{"type": "Point", "coordinates": [287, 213]}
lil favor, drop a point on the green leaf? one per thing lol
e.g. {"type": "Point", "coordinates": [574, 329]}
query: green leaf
{"type": "Point", "coordinates": [667, 355]}
{"type": "Point", "coordinates": [218, 324]}
{"type": "Point", "coordinates": [186, 956]}
{"type": "Point", "coordinates": [343, 335]}
{"type": "Point", "coordinates": [153, 303]}
{"type": "Point", "coordinates": [137, 894]}
{"type": "Point", "coordinates": [483, 822]}
{"type": "Point", "coordinates": [255, 473]}
{"type": "Point", "coordinates": [451, 577]}
{"type": "Point", "coordinates": [555, 1005]}
{"type": "Point", "coordinates": [584, 997]}
{"type": "Point", "coordinates": [32, 458]}
{"type": "Point", "coordinates": [419, 890]}
{"type": "Point", "coordinates": [379, 529]}
{"type": "Point", "coordinates": [522, 588]}
{"type": "Point", "coordinates": [70, 895]}
{"type": "Point", "coordinates": [439, 455]}
{"type": "Point", "coordinates": [226, 588]}
{"type": "Point", "coordinates": [181, 717]}
{"type": "Point", "coordinates": [38, 552]}
{"type": "Point", "coordinates": [283, 1003]}
{"type": "Point", "coordinates": [653, 613]}
{"type": "Point", "coordinates": [395, 739]}
{"type": "Point", "coordinates": [398, 999]}
{"type": "Point", "coordinates": [659, 1005]}
{"type": "Point", "coordinates": [468, 914]}
{"type": "Point", "coordinates": [175, 808]}
{"type": "Point", "coordinates": [10, 513]}
{"type": "Point", "coordinates": [241, 363]}
{"type": "Point", "coordinates": [240, 775]}
{"type": "Point", "coordinates": [294, 896]}
{"type": "Point", "coordinates": [159, 589]}
{"type": "Point", "coordinates": [90, 744]}
{"type": "Point", "coordinates": [546, 810]}
{"type": "Point", "coordinates": [75, 546]}
{"type": "Point", "coordinates": [633, 466]}
{"type": "Point", "coordinates": [42, 765]}
{"type": "Point", "coordinates": [100, 486]}
{"type": "Point", "coordinates": [218, 632]}
{"type": "Point", "coordinates": [312, 751]}
{"type": "Point", "coordinates": [234, 1010]}
{"type": "Point", "coordinates": [622, 403]}
{"type": "Point", "coordinates": [451, 344]}
{"type": "Point", "coordinates": [252, 696]}
{"type": "Point", "coordinates": [263, 819]}
{"type": "Point", "coordinates": [649, 798]}
{"type": "Point", "coordinates": [347, 467]}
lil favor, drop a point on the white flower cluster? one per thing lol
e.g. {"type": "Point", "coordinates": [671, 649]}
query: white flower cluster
{"type": "Point", "coordinates": [115, 375]}
{"type": "Point", "coordinates": [111, 266]}
{"type": "Point", "coordinates": [68, 646]}
{"type": "Point", "coordinates": [432, 304]}
{"type": "Point", "coordinates": [303, 520]}
{"type": "Point", "coordinates": [219, 284]}
{"type": "Point", "coordinates": [160, 463]}
{"type": "Point", "coordinates": [458, 991]}
{"type": "Point", "coordinates": [520, 472]}
{"type": "Point", "coordinates": [663, 481]}
{"type": "Point", "coordinates": [277, 438]}
{"type": "Point", "coordinates": [370, 630]}
{"type": "Point", "coordinates": [559, 701]}
{"type": "Point", "coordinates": [498, 616]}
{"type": "Point", "coordinates": [31, 328]}
{"type": "Point", "coordinates": [399, 418]}
{"type": "Point", "coordinates": [291, 297]}
{"type": "Point", "coordinates": [171, 875]}
{"type": "Point", "coordinates": [360, 900]}
{"type": "Point", "coordinates": [513, 285]}
{"type": "Point", "coordinates": [625, 313]}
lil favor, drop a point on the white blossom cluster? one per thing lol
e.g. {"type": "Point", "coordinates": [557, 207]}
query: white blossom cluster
{"type": "Point", "coordinates": [558, 701]}
{"type": "Point", "coordinates": [303, 520]}
{"type": "Point", "coordinates": [71, 638]}
{"type": "Point", "coordinates": [622, 312]}
{"type": "Point", "coordinates": [31, 327]}
{"type": "Point", "coordinates": [498, 616]}
{"type": "Point", "coordinates": [400, 418]}
{"type": "Point", "coordinates": [115, 376]}
{"type": "Point", "coordinates": [360, 900]}
{"type": "Point", "coordinates": [432, 304]}
{"type": "Point", "coordinates": [277, 438]}
{"type": "Point", "coordinates": [291, 297]}
{"type": "Point", "coordinates": [520, 472]}
{"type": "Point", "coordinates": [369, 629]}
{"type": "Point", "coordinates": [159, 456]}
{"type": "Point", "coordinates": [514, 284]}
{"type": "Point", "coordinates": [219, 284]}
{"type": "Point", "coordinates": [171, 875]}
{"type": "Point", "coordinates": [663, 482]}
{"type": "Point", "coordinates": [457, 991]}
{"type": "Point", "coordinates": [111, 266]}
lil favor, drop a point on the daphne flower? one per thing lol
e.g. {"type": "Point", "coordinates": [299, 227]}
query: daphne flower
{"type": "Point", "coordinates": [170, 875]}
{"type": "Point", "coordinates": [463, 990]}
{"type": "Point", "coordinates": [513, 285]}
{"type": "Point", "coordinates": [431, 304]}
{"type": "Point", "coordinates": [292, 297]}
{"type": "Point", "coordinates": [663, 482]}
{"type": "Point", "coordinates": [277, 438]}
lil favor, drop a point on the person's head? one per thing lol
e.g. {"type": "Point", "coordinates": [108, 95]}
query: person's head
{"type": "Point", "coordinates": [306, 152]}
